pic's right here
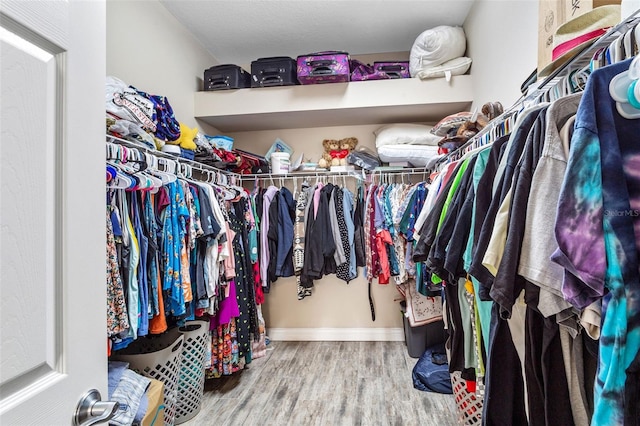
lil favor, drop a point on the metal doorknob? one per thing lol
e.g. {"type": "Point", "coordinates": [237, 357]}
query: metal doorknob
{"type": "Point", "coordinates": [91, 410]}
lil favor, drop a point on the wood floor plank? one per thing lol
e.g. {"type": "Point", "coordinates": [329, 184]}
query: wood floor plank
{"type": "Point", "coordinates": [325, 384]}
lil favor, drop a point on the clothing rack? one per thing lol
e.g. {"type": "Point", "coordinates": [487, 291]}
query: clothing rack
{"type": "Point", "coordinates": [202, 168]}
{"type": "Point", "coordinates": [361, 175]}
{"type": "Point", "coordinates": [581, 60]}
{"type": "Point", "coordinates": [236, 178]}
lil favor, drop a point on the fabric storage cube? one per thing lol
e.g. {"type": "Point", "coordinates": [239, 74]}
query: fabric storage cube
{"type": "Point", "coordinates": [392, 69]}
{"type": "Point", "coordinates": [223, 77]}
{"type": "Point", "coordinates": [275, 71]}
{"type": "Point", "coordinates": [323, 67]}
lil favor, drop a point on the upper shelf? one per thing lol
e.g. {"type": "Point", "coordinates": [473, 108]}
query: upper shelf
{"type": "Point", "coordinates": [335, 104]}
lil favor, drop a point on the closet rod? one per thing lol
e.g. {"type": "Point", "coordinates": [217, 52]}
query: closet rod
{"type": "Point", "coordinates": [561, 72]}
{"type": "Point", "coordinates": [358, 174]}
{"type": "Point", "coordinates": [194, 164]}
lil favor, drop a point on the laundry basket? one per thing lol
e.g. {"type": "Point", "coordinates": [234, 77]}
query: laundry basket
{"type": "Point", "coordinates": [192, 370]}
{"type": "Point", "coordinates": [469, 404]}
{"type": "Point", "coordinates": [158, 357]}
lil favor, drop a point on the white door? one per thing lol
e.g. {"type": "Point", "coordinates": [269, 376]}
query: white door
{"type": "Point", "coordinates": [52, 209]}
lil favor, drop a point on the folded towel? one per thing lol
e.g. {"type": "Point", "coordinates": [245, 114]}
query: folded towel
{"type": "Point", "coordinates": [128, 394]}
{"type": "Point", "coordinates": [115, 370]}
{"type": "Point", "coordinates": [142, 409]}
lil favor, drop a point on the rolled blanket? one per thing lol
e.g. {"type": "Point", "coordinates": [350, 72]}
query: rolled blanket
{"type": "Point", "coordinates": [436, 46]}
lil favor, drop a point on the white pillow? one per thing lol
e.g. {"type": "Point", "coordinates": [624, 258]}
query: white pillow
{"type": "Point", "coordinates": [417, 155]}
{"type": "Point", "coordinates": [436, 46]}
{"type": "Point", "coordinates": [456, 66]}
{"type": "Point", "coordinates": [406, 134]}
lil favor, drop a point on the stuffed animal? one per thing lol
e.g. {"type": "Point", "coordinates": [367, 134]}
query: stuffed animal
{"type": "Point", "coordinates": [336, 152]}
{"type": "Point", "coordinates": [187, 135]}
{"type": "Point", "coordinates": [329, 145]}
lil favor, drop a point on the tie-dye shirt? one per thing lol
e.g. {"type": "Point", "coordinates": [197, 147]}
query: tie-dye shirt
{"type": "Point", "coordinates": [598, 231]}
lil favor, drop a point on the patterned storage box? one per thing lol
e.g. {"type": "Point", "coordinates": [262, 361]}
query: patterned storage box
{"type": "Point", "coordinates": [392, 69]}
{"type": "Point", "coordinates": [323, 67]}
{"type": "Point", "coordinates": [379, 70]}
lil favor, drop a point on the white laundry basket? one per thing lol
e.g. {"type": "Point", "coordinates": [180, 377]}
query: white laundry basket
{"type": "Point", "coordinates": [192, 371]}
{"type": "Point", "coordinates": [158, 357]}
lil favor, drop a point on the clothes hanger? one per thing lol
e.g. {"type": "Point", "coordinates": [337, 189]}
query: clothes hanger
{"type": "Point", "coordinates": [121, 180]}
{"type": "Point", "coordinates": [164, 175]}
{"type": "Point", "coordinates": [220, 185]}
{"type": "Point", "coordinates": [145, 180]}
{"type": "Point", "coordinates": [625, 90]}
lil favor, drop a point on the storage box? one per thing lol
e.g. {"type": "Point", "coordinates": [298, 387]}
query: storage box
{"type": "Point", "coordinates": [155, 409]}
{"type": "Point", "coordinates": [224, 77]}
{"type": "Point", "coordinates": [552, 14]}
{"type": "Point", "coordinates": [275, 71]}
{"type": "Point", "coordinates": [323, 67]}
{"type": "Point", "coordinates": [379, 70]}
{"type": "Point", "coordinates": [392, 69]}
{"type": "Point", "coordinates": [418, 339]}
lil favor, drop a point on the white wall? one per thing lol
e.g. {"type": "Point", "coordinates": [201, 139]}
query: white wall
{"type": "Point", "coordinates": [148, 48]}
{"type": "Point", "coordinates": [334, 303]}
{"type": "Point", "coordinates": [629, 7]}
{"type": "Point", "coordinates": [502, 40]}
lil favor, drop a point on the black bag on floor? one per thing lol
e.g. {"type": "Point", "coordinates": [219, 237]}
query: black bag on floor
{"type": "Point", "coordinates": [431, 372]}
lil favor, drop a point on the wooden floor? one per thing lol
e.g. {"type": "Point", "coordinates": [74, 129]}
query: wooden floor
{"type": "Point", "coordinates": [325, 384]}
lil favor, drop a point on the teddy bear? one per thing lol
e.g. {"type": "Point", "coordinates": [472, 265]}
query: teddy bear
{"type": "Point", "coordinates": [336, 152]}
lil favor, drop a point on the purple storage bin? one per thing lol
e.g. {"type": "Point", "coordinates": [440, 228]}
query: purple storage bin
{"type": "Point", "coordinates": [379, 70]}
{"type": "Point", "coordinates": [323, 67]}
{"type": "Point", "coordinates": [392, 69]}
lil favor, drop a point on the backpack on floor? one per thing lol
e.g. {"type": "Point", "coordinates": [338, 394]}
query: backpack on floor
{"type": "Point", "coordinates": [431, 372]}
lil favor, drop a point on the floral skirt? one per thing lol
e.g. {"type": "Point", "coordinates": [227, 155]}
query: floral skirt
{"type": "Point", "coordinates": [224, 351]}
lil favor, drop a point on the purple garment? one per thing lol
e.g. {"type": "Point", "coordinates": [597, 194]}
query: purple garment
{"type": "Point", "coordinates": [228, 308]}
{"type": "Point", "coordinates": [379, 214]}
{"type": "Point", "coordinates": [264, 229]}
{"type": "Point", "coordinates": [316, 198]}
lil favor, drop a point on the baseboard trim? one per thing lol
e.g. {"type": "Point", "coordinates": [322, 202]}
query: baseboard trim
{"type": "Point", "coordinates": [337, 334]}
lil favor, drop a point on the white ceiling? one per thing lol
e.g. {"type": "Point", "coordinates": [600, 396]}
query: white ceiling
{"type": "Point", "coordinates": [240, 31]}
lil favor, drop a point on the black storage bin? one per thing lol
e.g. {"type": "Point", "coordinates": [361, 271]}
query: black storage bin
{"type": "Point", "coordinates": [275, 71]}
{"type": "Point", "coordinates": [418, 339]}
{"type": "Point", "coordinates": [223, 77]}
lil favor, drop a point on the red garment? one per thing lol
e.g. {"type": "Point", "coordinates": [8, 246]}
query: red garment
{"type": "Point", "coordinates": [258, 284]}
{"type": "Point", "coordinates": [382, 238]}
{"type": "Point", "coordinates": [375, 255]}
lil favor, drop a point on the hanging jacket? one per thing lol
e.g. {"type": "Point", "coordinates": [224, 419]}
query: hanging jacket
{"type": "Point", "coordinates": [329, 243]}
{"type": "Point", "coordinates": [358, 223]}
{"type": "Point", "coordinates": [272, 238]}
{"type": "Point", "coordinates": [264, 228]}
{"type": "Point", "coordinates": [286, 215]}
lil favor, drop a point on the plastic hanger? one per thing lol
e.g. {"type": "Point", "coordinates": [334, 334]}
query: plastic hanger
{"type": "Point", "coordinates": [628, 44]}
{"type": "Point", "coordinates": [625, 90]}
{"type": "Point", "coordinates": [121, 180]}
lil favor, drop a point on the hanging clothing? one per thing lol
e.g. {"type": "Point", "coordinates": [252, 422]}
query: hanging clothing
{"type": "Point", "coordinates": [117, 318]}
{"type": "Point", "coordinates": [599, 190]}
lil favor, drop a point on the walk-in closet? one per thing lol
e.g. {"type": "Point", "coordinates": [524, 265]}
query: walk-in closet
{"type": "Point", "coordinates": [320, 212]}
